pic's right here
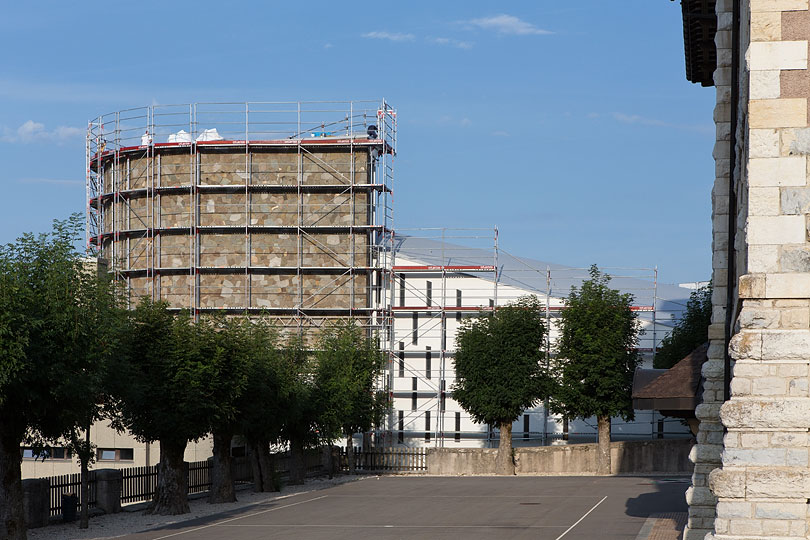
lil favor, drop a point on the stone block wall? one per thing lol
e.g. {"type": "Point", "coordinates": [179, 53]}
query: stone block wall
{"type": "Point", "coordinates": [763, 487]}
{"type": "Point", "coordinates": [706, 454]}
{"type": "Point", "coordinates": [142, 210]}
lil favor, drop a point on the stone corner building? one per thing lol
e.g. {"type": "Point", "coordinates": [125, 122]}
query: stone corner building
{"type": "Point", "coordinates": [752, 475]}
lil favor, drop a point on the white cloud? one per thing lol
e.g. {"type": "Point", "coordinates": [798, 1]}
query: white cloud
{"type": "Point", "coordinates": [390, 36]}
{"type": "Point", "coordinates": [646, 121]}
{"type": "Point", "coordinates": [450, 42]}
{"type": "Point", "coordinates": [328, 46]}
{"type": "Point", "coordinates": [32, 132]}
{"type": "Point", "coordinates": [500, 133]}
{"type": "Point", "coordinates": [508, 24]}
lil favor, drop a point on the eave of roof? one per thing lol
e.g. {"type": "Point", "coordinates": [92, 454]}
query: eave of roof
{"type": "Point", "coordinates": [699, 29]}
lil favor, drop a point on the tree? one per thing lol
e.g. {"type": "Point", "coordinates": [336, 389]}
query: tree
{"type": "Point", "coordinates": [300, 414]}
{"type": "Point", "coordinates": [597, 357]}
{"type": "Point", "coordinates": [162, 393]}
{"type": "Point", "coordinates": [348, 363]}
{"type": "Point", "coordinates": [499, 369]}
{"type": "Point", "coordinates": [48, 356]}
{"type": "Point", "coordinates": [262, 406]}
{"type": "Point", "coordinates": [688, 333]}
{"type": "Point", "coordinates": [227, 365]}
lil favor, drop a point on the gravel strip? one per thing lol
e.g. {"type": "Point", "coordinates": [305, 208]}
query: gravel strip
{"type": "Point", "coordinates": [128, 522]}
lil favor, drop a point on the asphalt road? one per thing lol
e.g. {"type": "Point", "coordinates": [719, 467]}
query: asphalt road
{"type": "Point", "coordinates": [540, 508]}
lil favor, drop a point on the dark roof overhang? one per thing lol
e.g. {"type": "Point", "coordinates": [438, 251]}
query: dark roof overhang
{"type": "Point", "coordinates": [699, 28]}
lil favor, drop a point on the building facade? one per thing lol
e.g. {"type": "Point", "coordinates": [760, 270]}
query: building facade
{"type": "Point", "coordinates": [752, 475]}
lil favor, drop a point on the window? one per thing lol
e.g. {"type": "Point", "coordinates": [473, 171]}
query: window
{"type": "Point", "coordinates": [428, 357]}
{"type": "Point", "coordinates": [429, 294]}
{"type": "Point", "coordinates": [115, 454]}
{"type": "Point", "coordinates": [443, 395]}
{"type": "Point", "coordinates": [415, 337]}
{"type": "Point", "coordinates": [413, 396]}
{"type": "Point", "coordinates": [57, 452]}
{"type": "Point", "coordinates": [401, 355]}
{"type": "Point", "coordinates": [427, 426]}
{"type": "Point", "coordinates": [402, 290]}
{"type": "Point", "coordinates": [458, 304]}
{"type": "Point", "coordinates": [458, 427]}
{"type": "Point", "coordinates": [401, 435]}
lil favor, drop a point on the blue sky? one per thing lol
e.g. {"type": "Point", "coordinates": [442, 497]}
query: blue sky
{"type": "Point", "coordinates": [573, 129]}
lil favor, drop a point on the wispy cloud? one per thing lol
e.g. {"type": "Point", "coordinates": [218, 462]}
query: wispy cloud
{"type": "Point", "coordinates": [500, 133]}
{"type": "Point", "coordinates": [52, 181]}
{"type": "Point", "coordinates": [508, 25]}
{"type": "Point", "coordinates": [646, 121]}
{"type": "Point", "coordinates": [31, 132]}
{"type": "Point", "coordinates": [390, 36]}
{"type": "Point", "coordinates": [450, 42]}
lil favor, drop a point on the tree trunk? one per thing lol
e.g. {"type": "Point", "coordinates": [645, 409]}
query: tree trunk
{"type": "Point", "coordinates": [171, 496]}
{"type": "Point", "coordinates": [350, 454]}
{"type": "Point", "coordinates": [84, 457]}
{"type": "Point", "coordinates": [603, 454]}
{"type": "Point", "coordinates": [256, 465]}
{"type": "Point", "coordinates": [297, 472]}
{"type": "Point", "coordinates": [505, 459]}
{"type": "Point", "coordinates": [12, 515]}
{"type": "Point", "coordinates": [271, 482]}
{"type": "Point", "coordinates": [222, 489]}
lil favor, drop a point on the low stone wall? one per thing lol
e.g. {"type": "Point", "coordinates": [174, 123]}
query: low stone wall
{"type": "Point", "coordinates": [668, 456]}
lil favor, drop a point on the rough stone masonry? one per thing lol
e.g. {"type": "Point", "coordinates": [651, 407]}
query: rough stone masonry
{"type": "Point", "coordinates": [753, 482]}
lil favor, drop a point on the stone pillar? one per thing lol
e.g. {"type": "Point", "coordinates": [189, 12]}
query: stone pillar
{"type": "Point", "coordinates": [36, 502]}
{"type": "Point", "coordinates": [706, 453]}
{"type": "Point", "coordinates": [109, 483]}
{"type": "Point", "coordinates": [763, 486]}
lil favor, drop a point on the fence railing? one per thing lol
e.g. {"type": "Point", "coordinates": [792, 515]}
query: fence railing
{"type": "Point", "coordinates": [388, 459]}
{"type": "Point", "coordinates": [140, 483]}
{"type": "Point", "coordinates": [69, 484]}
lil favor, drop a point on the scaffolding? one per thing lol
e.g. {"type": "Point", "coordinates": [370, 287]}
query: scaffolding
{"type": "Point", "coordinates": [441, 276]}
{"type": "Point", "coordinates": [278, 208]}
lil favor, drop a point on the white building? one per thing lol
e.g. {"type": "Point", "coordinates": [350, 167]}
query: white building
{"type": "Point", "coordinates": [448, 275]}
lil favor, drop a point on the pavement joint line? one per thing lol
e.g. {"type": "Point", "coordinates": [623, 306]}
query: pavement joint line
{"type": "Point", "coordinates": [464, 496]}
{"type": "Point", "coordinates": [646, 529]}
{"type": "Point", "coordinates": [580, 519]}
{"type": "Point", "coordinates": [359, 526]}
{"type": "Point", "coordinates": [240, 517]}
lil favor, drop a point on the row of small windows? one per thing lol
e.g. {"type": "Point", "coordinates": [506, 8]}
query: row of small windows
{"type": "Point", "coordinates": [58, 452]}
{"type": "Point", "coordinates": [457, 430]}
{"type": "Point", "coordinates": [401, 426]}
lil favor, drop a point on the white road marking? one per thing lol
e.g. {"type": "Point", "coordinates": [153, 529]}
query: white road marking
{"type": "Point", "coordinates": [240, 517]}
{"type": "Point", "coordinates": [580, 519]}
{"type": "Point", "coordinates": [357, 526]}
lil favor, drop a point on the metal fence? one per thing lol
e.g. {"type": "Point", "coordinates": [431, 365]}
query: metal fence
{"type": "Point", "coordinates": [387, 459]}
{"type": "Point", "coordinates": [69, 484]}
{"type": "Point", "coordinates": [140, 483]}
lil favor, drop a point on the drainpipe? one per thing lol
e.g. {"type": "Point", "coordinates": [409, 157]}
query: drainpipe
{"type": "Point", "coordinates": [731, 282]}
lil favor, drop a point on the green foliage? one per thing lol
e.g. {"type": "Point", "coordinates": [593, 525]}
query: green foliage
{"type": "Point", "coordinates": [163, 382]}
{"type": "Point", "coordinates": [596, 351]}
{"type": "Point", "coordinates": [500, 362]}
{"type": "Point", "coordinates": [348, 363]}
{"type": "Point", "coordinates": [263, 404]}
{"type": "Point", "coordinates": [690, 332]}
{"type": "Point", "coordinates": [300, 413]}
{"type": "Point", "coordinates": [58, 328]}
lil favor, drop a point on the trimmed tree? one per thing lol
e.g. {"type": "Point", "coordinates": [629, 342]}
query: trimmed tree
{"type": "Point", "coordinates": [48, 358]}
{"type": "Point", "coordinates": [300, 414]}
{"type": "Point", "coordinates": [690, 332]}
{"type": "Point", "coordinates": [162, 392]}
{"type": "Point", "coordinates": [227, 365]}
{"type": "Point", "coordinates": [263, 403]}
{"type": "Point", "coordinates": [597, 357]}
{"type": "Point", "coordinates": [499, 369]}
{"type": "Point", "coordinates": [348, 363]}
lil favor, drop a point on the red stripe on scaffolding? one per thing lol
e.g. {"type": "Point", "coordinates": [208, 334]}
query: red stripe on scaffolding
{"type": "Point", "coordinates": [456, 268]}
